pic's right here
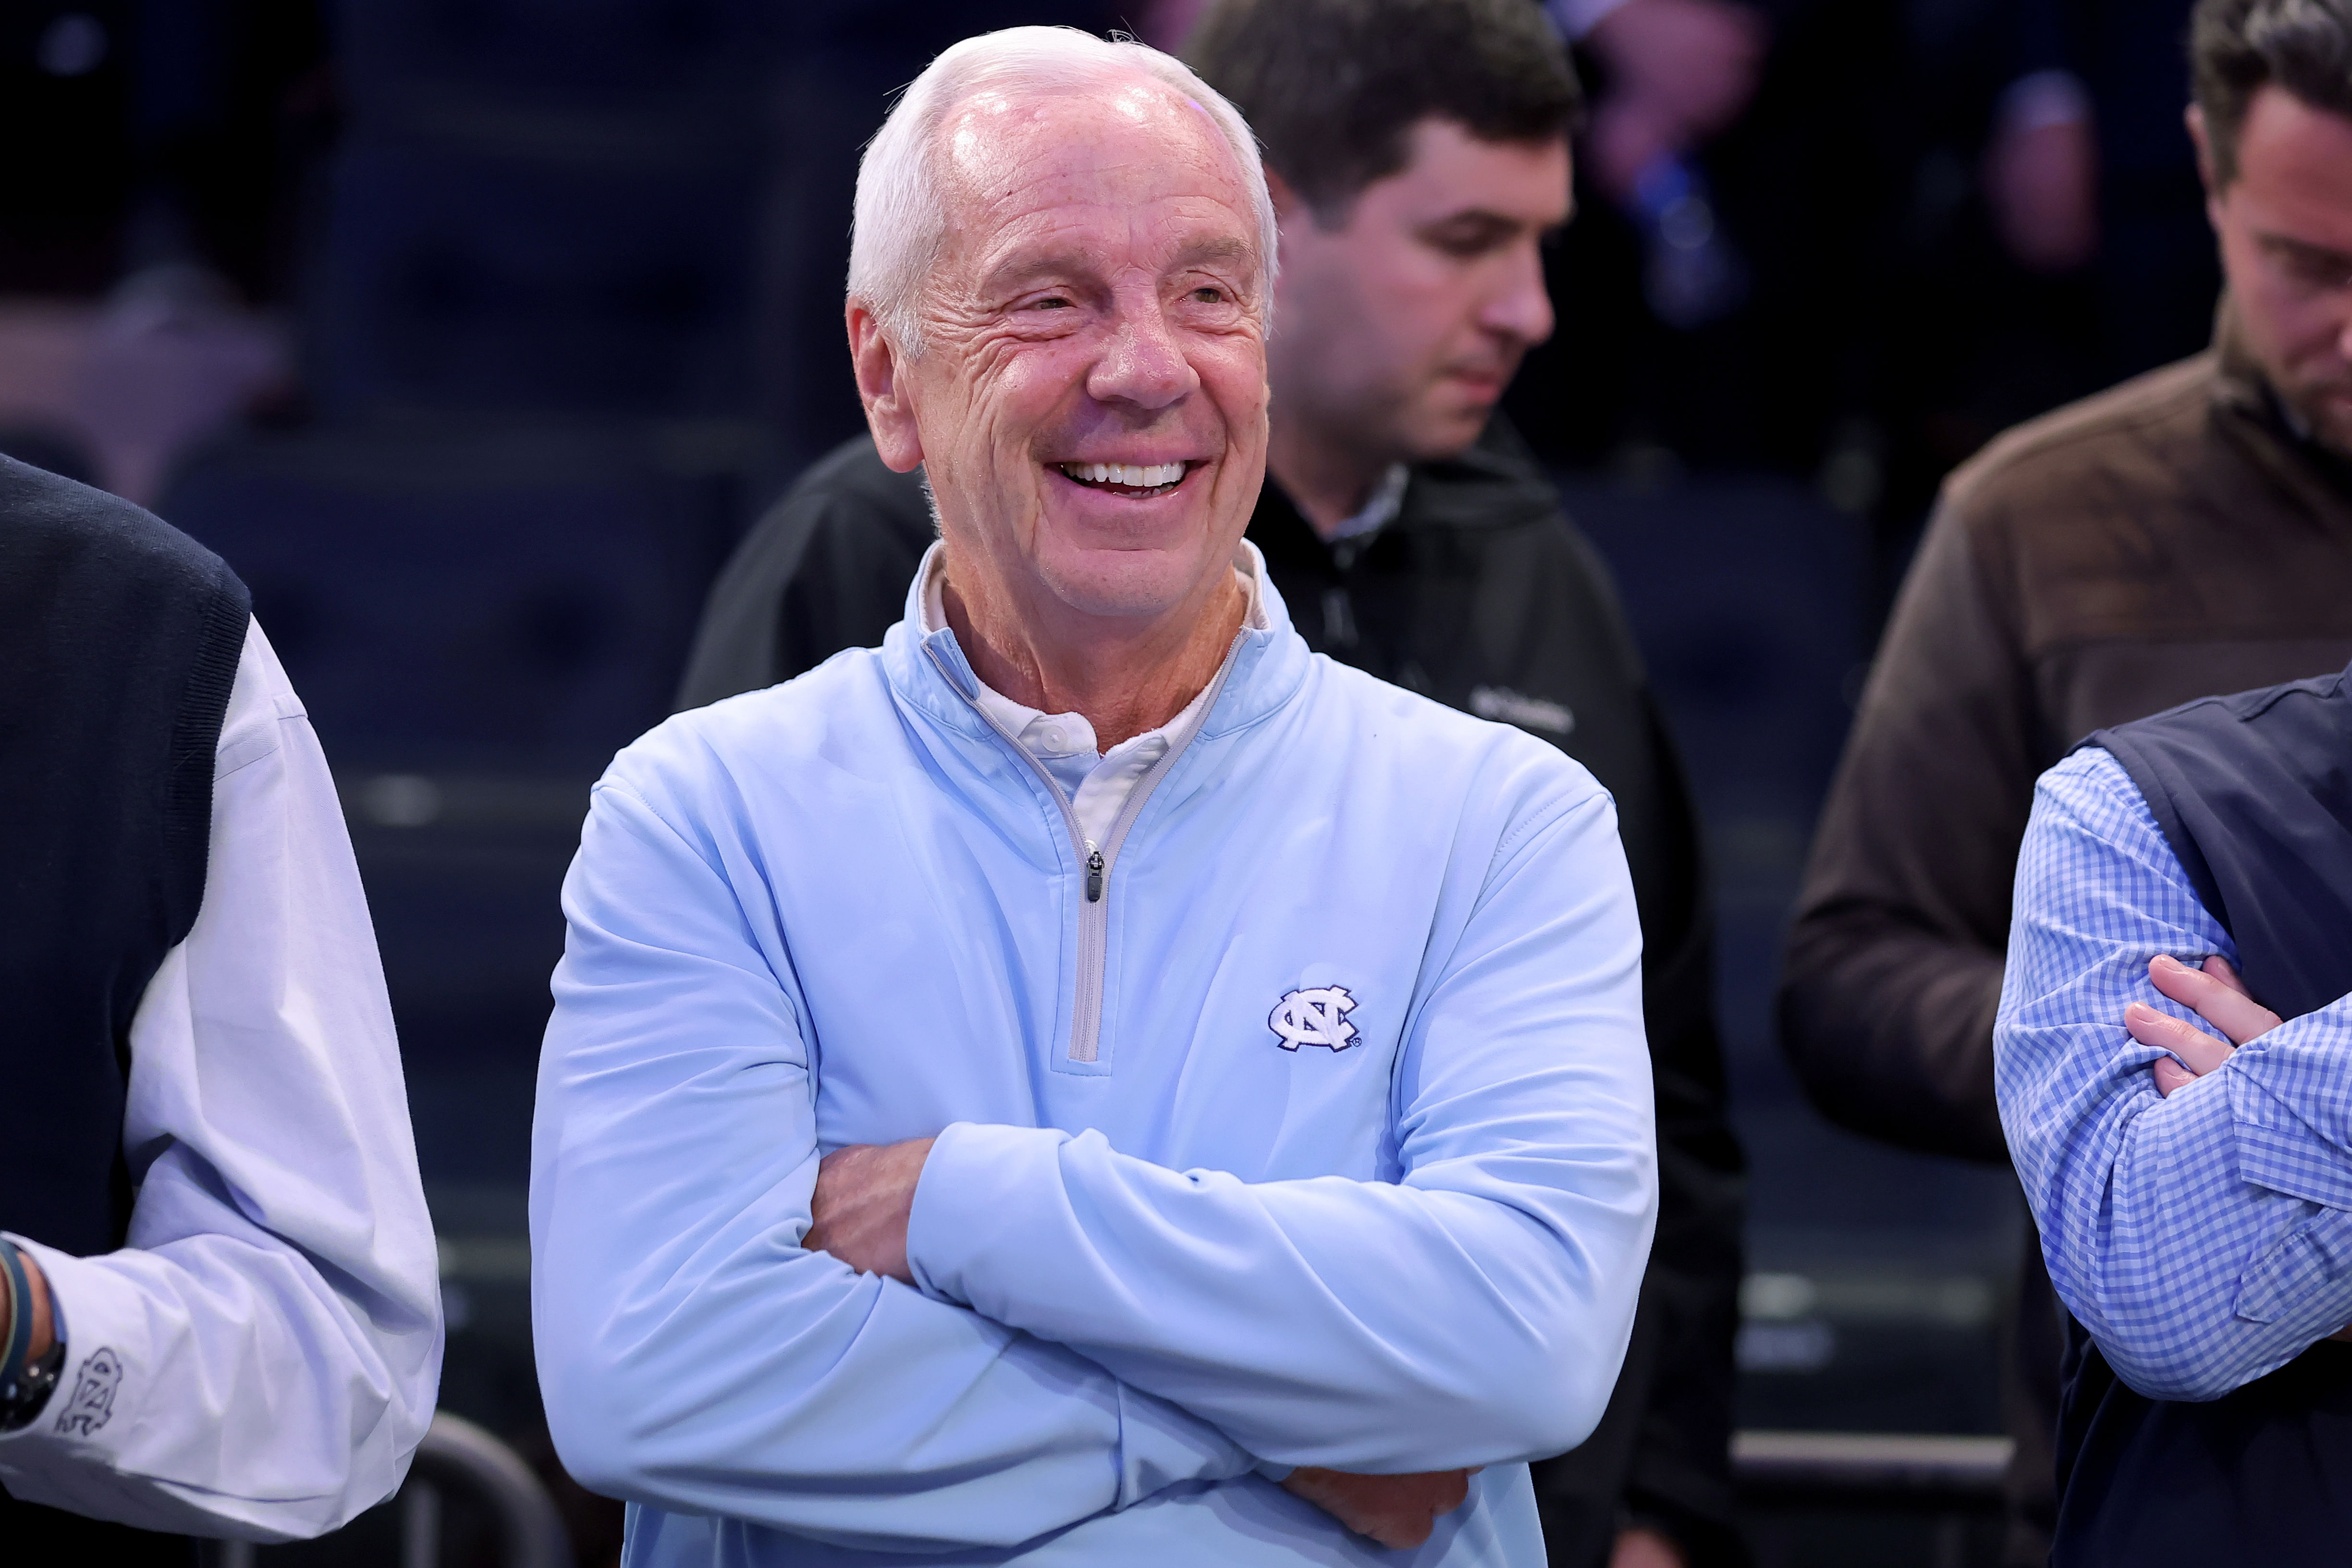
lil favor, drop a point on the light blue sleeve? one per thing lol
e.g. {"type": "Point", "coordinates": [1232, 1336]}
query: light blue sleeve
{"type": "Point", "coordinates": [2203, 1239]}
{"type": "Point", "coordinates": [693, 1356]}
{"type": "Point", "coordinates": [1474, 1312]}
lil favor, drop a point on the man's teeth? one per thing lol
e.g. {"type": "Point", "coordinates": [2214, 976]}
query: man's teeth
{"type": "Point", "coordinates": [1149, 476]}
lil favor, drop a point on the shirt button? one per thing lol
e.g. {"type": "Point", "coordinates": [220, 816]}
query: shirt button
{"type": "Point", "coordinates": [1053, 741]}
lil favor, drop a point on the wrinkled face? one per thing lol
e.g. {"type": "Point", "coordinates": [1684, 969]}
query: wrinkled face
{"type": "Point", "coordinates": [2286, 227]}
{"type": "Point", "coordinates": [1402, 329]}
{"type": "Point", "coordinates": [1090, 396]}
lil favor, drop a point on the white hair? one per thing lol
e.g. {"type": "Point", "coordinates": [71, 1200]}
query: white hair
{"type": "Point", "coordinates": [901, 220]}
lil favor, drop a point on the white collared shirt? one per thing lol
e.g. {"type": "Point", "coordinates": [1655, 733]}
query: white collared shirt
{"type": "Point", "coordinates": [261, 1359]}
{"type": "Point", "coordinates": [1379, 508]}
{"type": "Point", "coordinates": [1065, 743]}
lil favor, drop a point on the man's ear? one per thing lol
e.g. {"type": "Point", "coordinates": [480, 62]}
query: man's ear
{"type": "Point", "coordinates": [2203, 141]}
{"type": "Point", "coordinates": [882, 387]}
{"type": "Point", "coordinates": [1289, 206]}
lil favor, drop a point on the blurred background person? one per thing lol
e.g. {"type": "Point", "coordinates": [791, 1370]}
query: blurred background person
{"type": "Point", "coordinates": [1413, 538]}
{"type": "Point", "coordinates": [1674, 74]}
{"type": "Point", "coordinates": [2186, 533]}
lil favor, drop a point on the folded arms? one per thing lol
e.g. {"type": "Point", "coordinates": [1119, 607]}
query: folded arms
{"type": "Point", "coordinates": [1094, 1326]}
{"type": "Point", "coordinates": [2194, 1197]}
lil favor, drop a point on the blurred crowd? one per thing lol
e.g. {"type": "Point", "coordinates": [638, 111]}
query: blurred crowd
{"type": "Point", "coordinates": [479, 337]}
{"type": "Point", "coordinates": [1847, 241]}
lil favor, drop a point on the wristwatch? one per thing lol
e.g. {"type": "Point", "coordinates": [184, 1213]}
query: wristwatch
{"type": "Point", "coordinates": [25, 1387]}
{"type": "Point", "coordinates": [30, 1393]}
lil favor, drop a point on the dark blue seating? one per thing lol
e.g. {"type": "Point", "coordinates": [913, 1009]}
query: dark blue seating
{"type": "Point", "coordinates": [493, 595]}
{"type": "Point", "coordinates": [600, 54]}
{"type": "Point", "coordinates": [497, 275]}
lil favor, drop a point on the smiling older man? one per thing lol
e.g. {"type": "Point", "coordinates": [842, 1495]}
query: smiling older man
{"type": "Point", "coordinates": [1088, 1081]}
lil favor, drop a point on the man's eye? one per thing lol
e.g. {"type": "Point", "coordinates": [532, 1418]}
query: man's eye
{"type": "Point", "coordinates": [2329, 272]}
{"type": "Point", "coordinates": [1465, 246]}
{"type": "Point", "coordinates": [1050, 302]}
{"type": "Point", "coordinates": [1469, 239]}
{"type": "Point", "coordinates": [2313, 267]}
{"type": "Point", "coordinates": [1207, 295]}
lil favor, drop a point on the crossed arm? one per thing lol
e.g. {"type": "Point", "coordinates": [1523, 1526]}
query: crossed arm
{"type": "Point", "coordinates": [703, 1350]}
{"type": "Point", "coordinates": [2194, 1194]}
{"type": "Point", "coordinates": [865, 1197]}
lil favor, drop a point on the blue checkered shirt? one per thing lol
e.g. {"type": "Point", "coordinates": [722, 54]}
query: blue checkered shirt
{"type": "Point", "coordinates": [2206, 1238]}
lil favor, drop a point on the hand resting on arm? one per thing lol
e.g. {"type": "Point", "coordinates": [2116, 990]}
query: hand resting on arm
{"type": "Point", "coordinates": [2215, 993]}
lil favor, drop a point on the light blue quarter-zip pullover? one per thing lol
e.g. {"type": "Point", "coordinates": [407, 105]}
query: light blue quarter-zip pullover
{"type": "Point", "coordinates": [1312, 1126]}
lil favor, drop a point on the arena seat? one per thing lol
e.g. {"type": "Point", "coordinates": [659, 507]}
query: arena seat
{"type": "Point", "coordinates": [486, 593]}
{"type": "Point", "coordinates": [610, 276]}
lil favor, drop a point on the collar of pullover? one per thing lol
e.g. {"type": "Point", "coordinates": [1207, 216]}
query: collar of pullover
{"type": "Point", "coordinates": [929, 671]}
{"type": "Point", "coordinates": [1098, 782]}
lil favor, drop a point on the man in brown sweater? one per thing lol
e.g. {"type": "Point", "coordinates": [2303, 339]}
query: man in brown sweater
{"type": "Point", "coordinates": [2186, 533]}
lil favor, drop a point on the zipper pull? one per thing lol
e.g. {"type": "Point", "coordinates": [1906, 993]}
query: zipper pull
{"type": "Point", "coordinates": [1094, 875]}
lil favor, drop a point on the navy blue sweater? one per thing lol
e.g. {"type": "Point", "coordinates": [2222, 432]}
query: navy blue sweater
{"type": "Point", "coordinates": [118, 645]}
{"type": "Point", "coordinates": [2254, 795]}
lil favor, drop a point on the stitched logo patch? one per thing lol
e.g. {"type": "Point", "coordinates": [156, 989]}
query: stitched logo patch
{"type": "Point", "coordinates": [93, 1404]}
{"type": "Point", "coordinates": [1315, 1017]}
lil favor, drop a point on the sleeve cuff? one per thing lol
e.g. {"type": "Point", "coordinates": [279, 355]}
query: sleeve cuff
{"type": "Point", "coordinates": [103, 1343]}
{"type": "Point", "coordinates": [1162, 1445]}
{"type": "Point", "coordinates": [69, 1455]}
{"type": "Point", "coordinates": [2277, 1150]}
{"type": "Point", "coordinates": [972, 1202]}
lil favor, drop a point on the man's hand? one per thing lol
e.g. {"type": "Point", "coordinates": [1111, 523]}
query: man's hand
{"type": "Point", "coordinates": [2214, 994]}
{"type": "Point", "coordinates": [864, 1196]}
{"type": "Point", "coordinates": [1395, 1510]}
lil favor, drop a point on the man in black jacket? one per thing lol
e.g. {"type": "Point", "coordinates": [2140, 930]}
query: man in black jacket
{"type": "Point", "coordinates": [1413, 536]}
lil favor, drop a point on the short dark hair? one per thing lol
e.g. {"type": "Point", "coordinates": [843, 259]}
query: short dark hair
{"type": "Point", "coordinates": [1333, 87]}
{"type": "Point", "coordinates": [2236, 46]}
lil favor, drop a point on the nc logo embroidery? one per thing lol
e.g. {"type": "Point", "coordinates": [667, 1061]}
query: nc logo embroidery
{"type": "Point", "coordinates": [1316, 1016]}
{"type": "Point", "coordinates": [93, 1404]}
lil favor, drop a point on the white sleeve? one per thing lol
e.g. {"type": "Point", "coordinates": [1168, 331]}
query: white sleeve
{"type": "Point", "coordinates": [261, 1359]}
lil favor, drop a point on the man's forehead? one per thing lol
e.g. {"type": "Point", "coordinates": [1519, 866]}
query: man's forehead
{"type": "Point", "coordinates": [1125, 97]}
{"type": "Point", "coordinates": [2297, 162]}
{"type": "Point", "coordinates": [1448, 166]}
{"type": "Point", "coordinates": [1045, 181]}
{"type": "Point", "coordinates": [1129, 133]}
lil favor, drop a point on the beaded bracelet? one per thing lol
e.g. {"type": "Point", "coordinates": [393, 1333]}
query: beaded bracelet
{"type": "Point", "coordinates": [20, 1320]}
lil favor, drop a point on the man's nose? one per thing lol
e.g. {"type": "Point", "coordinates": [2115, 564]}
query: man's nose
{"type": "Point", "coordinates": [1520, 306]}
{"type": "Point", "coordinates": [1143, 363]}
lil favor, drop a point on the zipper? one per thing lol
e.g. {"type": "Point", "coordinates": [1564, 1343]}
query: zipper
{"type": "Point", "coordinates": [1094, 914]}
